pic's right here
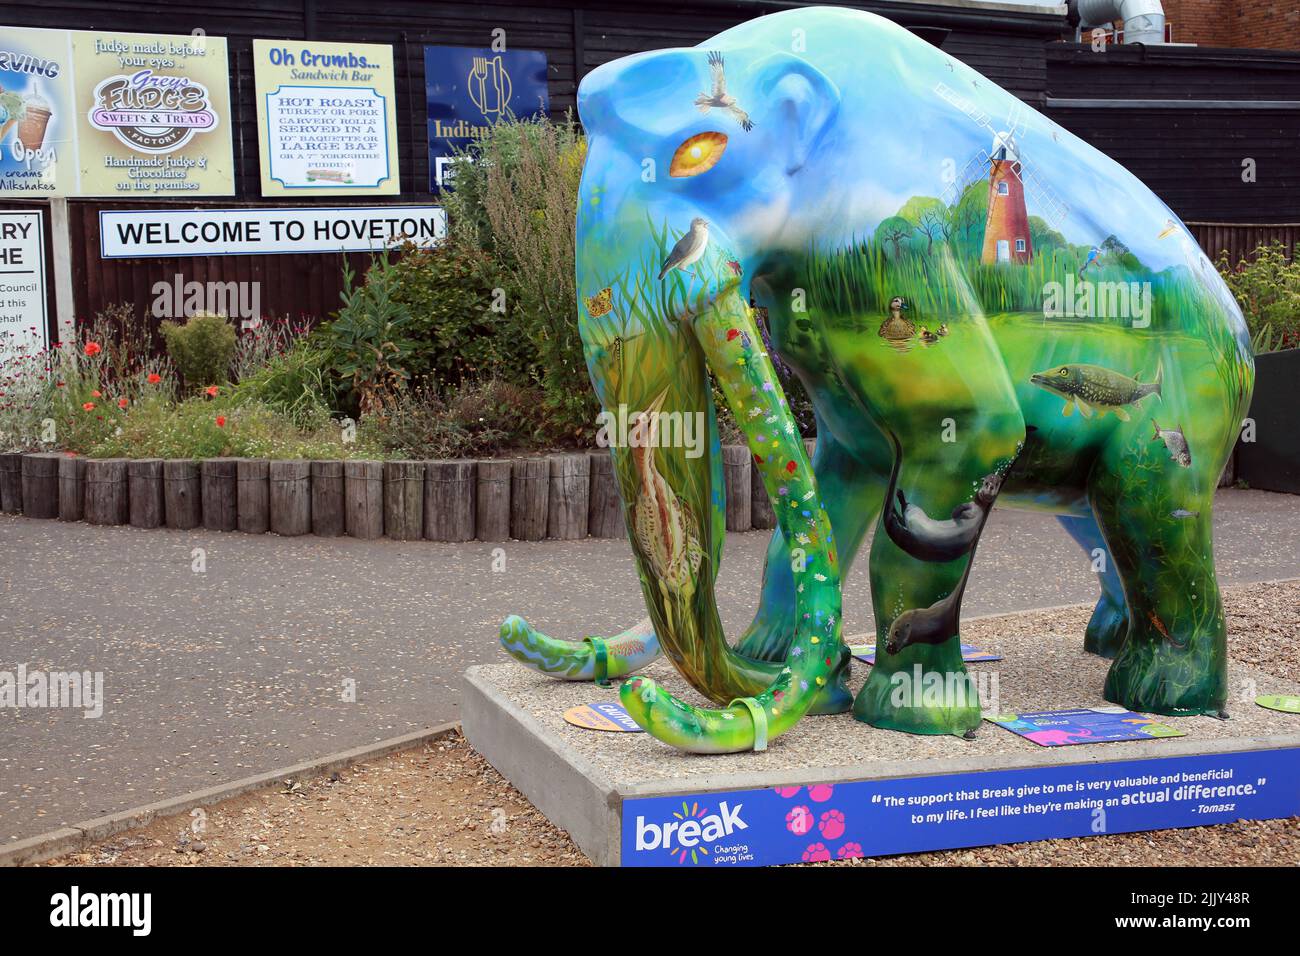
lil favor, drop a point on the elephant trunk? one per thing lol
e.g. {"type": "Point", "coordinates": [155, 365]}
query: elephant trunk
{"type": "Point", "coordinates": [726, 332]}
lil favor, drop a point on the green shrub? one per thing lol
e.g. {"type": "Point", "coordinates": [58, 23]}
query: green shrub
{"type": "Point", "coordinates": [258, 346]}
{"type": "Point", "coordinates": [202, 349]}
{"type": "Point", "coordinates": [201, 427]}
{"type": "Point", "coordinates": [459, 326]}
{"type": "Point", "coordinates": [296, 382]}
{"type": "Point", "coordinates": [1267, 288]}
{"type": "Point", "coordinates": [96, 379]}
{"type": "Point", "coordinates": [516, 197]}
{"type": "Point", "coordinates": [367, 344]}
{"type": "Point", "coordinates": [482, 418]}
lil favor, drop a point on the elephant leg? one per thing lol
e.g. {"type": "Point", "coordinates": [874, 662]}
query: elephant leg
{"type": "Point", "coordinates": [851, 493]}
{"type": "Point", "coordinates": [1109, 624]}
{"type": "Point", "coordinates": [1174, 659]}
{"type": "Point", "coordinates": [919, 683]}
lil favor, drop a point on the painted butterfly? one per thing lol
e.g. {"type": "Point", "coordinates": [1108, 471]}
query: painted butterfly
{"type": "Point", "coordinates": [600, 303]}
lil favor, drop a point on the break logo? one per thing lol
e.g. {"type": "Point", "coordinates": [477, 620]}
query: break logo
{"type": "Point", "coordinates": [152, 113]}
{"type": "Point", "coordinates": [692, 829]}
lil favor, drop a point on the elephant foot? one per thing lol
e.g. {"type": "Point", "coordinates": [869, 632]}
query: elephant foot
{"type": "Point", "coordinates": [835, 697]}
{"type": "Point", "coordinates": [768, 637]}
{"type": "Point", "coordinates": [1163, 677]}
{"type": "Point", "coordinates": [592, 659]}
{"type": "Point", "coordinates": [923, 690]}
{"type": "Point", "coordinates": [1107, 629]}
{"type": "Point", "coordinates": [768, 641]}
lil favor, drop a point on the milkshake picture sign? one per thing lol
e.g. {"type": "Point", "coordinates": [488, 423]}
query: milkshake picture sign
{"type": "Point", "coordinates": [325, 118]}
{"type": "Point", "coordinates": [37, 148]}
{"type": "Point", "coordinates": [154, 115]}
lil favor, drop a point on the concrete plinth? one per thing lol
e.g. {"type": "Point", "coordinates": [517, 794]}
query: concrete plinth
{"type": "Point", "coordinates": [835, 787]}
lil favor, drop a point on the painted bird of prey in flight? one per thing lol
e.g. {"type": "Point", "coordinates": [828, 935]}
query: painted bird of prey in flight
{"type": "Point", "coordinates": [720, 98]}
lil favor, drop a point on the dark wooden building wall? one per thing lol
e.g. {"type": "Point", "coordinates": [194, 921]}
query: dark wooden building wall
{"type": "Point", "coordinates": [576, 38]}
{"type": "Point", "coordinates": [1240, 240]}
{"type": "Point", "coordinates": [1184, 119]}
{"type": "Point", "coordinates": [1191, 157]}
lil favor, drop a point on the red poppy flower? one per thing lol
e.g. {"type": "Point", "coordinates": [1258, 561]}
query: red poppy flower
{"type": "Point", "coordinates": [211, 391]}
{"type": "Point", "coordinates": [88, 406]}
{"type": "Point", "coordinates": [96, 394]}
{"type": "Point", "coordinates": [154, 378]}
{"type": "Point", "coordinates": [790, 467]}
{"type": "Point", "coordinates": [221, 421]}
{"type": "Point", "coordinates": [122, 403]}
{"type": "Point", "coordinates": [92, 348]}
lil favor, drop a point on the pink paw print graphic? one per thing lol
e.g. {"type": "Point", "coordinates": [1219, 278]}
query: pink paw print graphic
{"type": "Point", "coordinates": [816, 853]}
{"type": "Point", "coordinates": [799, 820]}
{"type": "Point", "coordinates": [786, 792]}
{"type": "Point", "coordinates": [821, 793]}
{"type": "Point", "coordinates": [832, 825]}
{"type": "Point", "coordinates": [849, 851]}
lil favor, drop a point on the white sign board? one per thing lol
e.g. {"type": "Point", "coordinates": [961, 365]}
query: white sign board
{"type": "Point", "coordinates": [326, 138]}
{"type": "Point", "coordinates": [23, 316]}
{"type": "Point", "coordinates": [167, 233]}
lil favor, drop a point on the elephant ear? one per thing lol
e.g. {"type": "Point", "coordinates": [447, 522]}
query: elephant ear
{"type": "Point", "coordinates": [799, 104]}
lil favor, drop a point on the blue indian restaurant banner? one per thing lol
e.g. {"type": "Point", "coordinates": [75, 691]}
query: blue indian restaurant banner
{"type": "Point", "coordinates": [467, 89]}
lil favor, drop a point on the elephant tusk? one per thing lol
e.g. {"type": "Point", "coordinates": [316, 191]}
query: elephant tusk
{"type": "Point", "coordinates": [733, 347]}
{"type": "Point", "coordinates": [591, 659]}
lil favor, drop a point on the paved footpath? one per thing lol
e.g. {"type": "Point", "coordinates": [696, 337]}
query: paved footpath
{"type": "Point", "coordinates": [244, 667]}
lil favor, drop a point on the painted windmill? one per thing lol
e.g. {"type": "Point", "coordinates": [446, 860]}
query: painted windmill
{"type": "Point", "coordinates": [1006, 228]}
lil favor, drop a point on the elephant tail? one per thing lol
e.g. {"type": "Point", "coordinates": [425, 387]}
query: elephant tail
{"type": "Point", "coordinates": [591, 659]}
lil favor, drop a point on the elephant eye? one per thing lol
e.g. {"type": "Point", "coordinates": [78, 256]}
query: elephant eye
{"type": "Point", "coordinates": [698, 154]}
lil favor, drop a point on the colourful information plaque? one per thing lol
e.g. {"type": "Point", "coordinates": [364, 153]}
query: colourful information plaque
{"type": "Point", "coordinates": [606, 716]}
{"type": "Point", "coordinates": [1084, 725]}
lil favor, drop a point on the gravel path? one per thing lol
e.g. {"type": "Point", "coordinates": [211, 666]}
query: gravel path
{"type": "Point", "coordinates": [443, 804]}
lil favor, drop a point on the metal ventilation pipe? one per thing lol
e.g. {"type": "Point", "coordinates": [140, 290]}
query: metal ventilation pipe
{"type": "Point", "coordinates": [1144, 20]}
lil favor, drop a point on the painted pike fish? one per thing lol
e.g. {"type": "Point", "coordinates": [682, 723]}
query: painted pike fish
{"type": "Point", "coordinates": [1093, 388]}
{"type": "Point", "coordinates": [1175, 442]}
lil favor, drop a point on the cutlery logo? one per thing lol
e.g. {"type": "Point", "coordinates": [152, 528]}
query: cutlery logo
{"type": "Point", "coordinates": [489, 86]}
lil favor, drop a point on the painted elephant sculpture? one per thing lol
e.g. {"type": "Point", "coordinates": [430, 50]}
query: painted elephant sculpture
{"type": "Point", "coordinates": [980, 306]}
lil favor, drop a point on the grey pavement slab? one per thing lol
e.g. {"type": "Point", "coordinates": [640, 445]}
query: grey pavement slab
{"type": "Point", "coordinates": [246, 667]}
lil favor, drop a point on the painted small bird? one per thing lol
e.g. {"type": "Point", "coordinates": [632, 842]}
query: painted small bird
{"type": "Point", "coordinates": [720, 98]}
{"type": "Point", "coordinates": [928, 336]}
{"type": "Point", "coordinates": [1093, 255]}
{"type": "Point", "coordinates": [689, 247]}
{"type": "Point", "coordinates": [943, 329]}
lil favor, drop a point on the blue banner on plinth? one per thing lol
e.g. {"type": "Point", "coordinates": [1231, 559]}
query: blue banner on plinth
{"type": "Point", "coordinates": [914, 814]}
